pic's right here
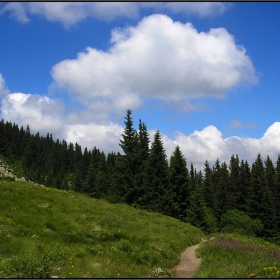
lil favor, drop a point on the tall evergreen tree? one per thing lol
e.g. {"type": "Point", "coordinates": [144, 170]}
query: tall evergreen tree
{"type": "Point", "coordinates": [198, 214]}
{"type": "Point", "coordinates": [220, 181]}
{"type": "Point", "coordinates": [276, 193]}
{"type": "Point", "coordinates": [261, 200]}
{"type": "Point", "coordinates": [158, 192]}
{"type": "Point", "coordinates": [142, 165]}
{"type": "Point", "coordinates": [234, 191]}
{"type": "Point", "coordinates": [117, 187]}
{"type": "Point", "coordinates": [179, 184]}
{"type": "Point", "coordinates": [101, 180]}
{"type": "Point", "coordinates": [244, 183]}
{"type": "Point", "coordinates": [209, 189]}
{"type": "Point", "coordinates": [129, 144]}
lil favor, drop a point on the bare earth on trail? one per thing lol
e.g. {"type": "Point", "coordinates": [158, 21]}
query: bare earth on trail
{"type": "Point", "coordinates": [189, 263]}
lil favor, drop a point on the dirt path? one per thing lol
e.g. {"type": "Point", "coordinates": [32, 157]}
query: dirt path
{"type": "Point", "coordinates": [189, 263]}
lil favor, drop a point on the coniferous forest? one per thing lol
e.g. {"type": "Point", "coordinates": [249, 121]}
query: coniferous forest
{"type": "Point", "coordinates": [144, 178]}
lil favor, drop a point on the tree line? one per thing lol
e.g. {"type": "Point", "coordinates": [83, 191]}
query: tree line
{"type": "Point", "coordinates": [143, 177]}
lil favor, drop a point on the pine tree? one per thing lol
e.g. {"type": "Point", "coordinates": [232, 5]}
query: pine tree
{"type": "Point", "coordinates": [142, 165]}
{"type": "Point", "coordinates": [271, 180]}
{"type": "Point", "coordinates": [234, 191]}
{"type": "Point", "coordinates": [198, 214]}
{"type": "Point", "coordinates": [179, 184]}
{"type": "Point", "coordinates": [158, 192]}
{"type": "Point", "coordinates": [261, 200]}
{"type": "Point", "coordinates": [129, 144]}
{"type": "Point", "coordinates": [276, 193]}
{"type": "Point", "coordinates": [209, 189]}
{"type": "Point", "coordinates": [220, 181]}
{"type": "Point", "coordinates": [90, 186]}
{"type": "Point", "coordinates": [117, 187]}
{"type": "Point", "coordinates": [244, 182]}
{"type": "Point", "coordinates": [101, 180]}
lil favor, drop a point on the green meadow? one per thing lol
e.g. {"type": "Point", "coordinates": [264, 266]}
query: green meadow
{"type": "Point", "coordinates": [47, 232]}
{"type": "Point", "coordinates": [238, 256]}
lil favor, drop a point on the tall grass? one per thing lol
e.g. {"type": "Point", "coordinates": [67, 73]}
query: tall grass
{"type": "Point", "coordinates": [48, 232]}
{"type": "Point", "coordinates": [237, 256]}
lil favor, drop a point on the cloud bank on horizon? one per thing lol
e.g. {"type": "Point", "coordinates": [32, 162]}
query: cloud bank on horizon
{"type": "Point", "coordinates": [157, 59]}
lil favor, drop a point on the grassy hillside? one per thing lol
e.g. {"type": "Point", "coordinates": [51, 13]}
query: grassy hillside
{"type": "Point", "coordinates": [48, 232]}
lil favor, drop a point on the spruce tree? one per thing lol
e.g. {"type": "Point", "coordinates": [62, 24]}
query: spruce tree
{"type": "Point", "coordinates": [244, 182]}
{"type": "Point", "coordinates": [90, 186]}
{"type": "Point", "coordinates": [117, 187]}
{"type": "Point", "coordinates": [261, 200]}
{"type": "Point", "coordinates": [221, 181]}
{"type": "Point", "coordinates": [142, 165]}
{"type": "Point", "coordinates": [129, 144]}
{"type": "Point", "coordinates": [234, 191]}
{"type": "Point", "coordinates": [179, 184]}
{"type": "Point", "coordinates": [276, 193]}
{"type": "Point", "coordinates": [158, 192]}
{"type": "Point", "coordinates": [209, 189]}
{"type": "Point", "coordinates": [198, 214]}
{"type": "Point", "coordinates": [101, 181]}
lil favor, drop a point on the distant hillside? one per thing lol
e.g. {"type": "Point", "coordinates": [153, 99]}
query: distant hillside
{"type": "Point", "coordinates": [48, 232]}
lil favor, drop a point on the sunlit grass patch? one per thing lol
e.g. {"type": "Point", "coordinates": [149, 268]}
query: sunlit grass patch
{"type": "Point", "coordinates": [48, 232]}
{"type": "Point", "coordinates": [231, 256]}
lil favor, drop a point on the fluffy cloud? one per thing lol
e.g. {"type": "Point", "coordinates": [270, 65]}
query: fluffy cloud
{"type": "Point", "coordinates": [209, 144]}
{"type": "Point", "coordinates": [105, 136]}
{"type": "Point", "coordinates": [40, 112]}
{"type": "Point", "coordinates": [160, 59]}
{"type": "Point", "coordinates": [45, 115]}
{"type": "Point", "coordinates": [69, 13]}
{"type": "Point", "coordinates": [3, 89]}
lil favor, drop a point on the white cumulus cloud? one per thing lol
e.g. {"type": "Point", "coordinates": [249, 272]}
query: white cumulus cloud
{"type": "Point", "coordinates": [40, 112]}
{"type": "Point", "coordinates": [105, 136]}
{"type": "Point", "coordinates": [158, 58]}
{"type": "Point", "coordinates": [45, 115]}
{"type": "Point", "coordinates": [209, 144]}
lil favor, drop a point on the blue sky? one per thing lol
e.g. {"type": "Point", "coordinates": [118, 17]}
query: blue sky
{"type": "Point", "coordinates": [205, 74]}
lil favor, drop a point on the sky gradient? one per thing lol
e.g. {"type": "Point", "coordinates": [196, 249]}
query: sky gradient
{"type": "Point", "coordinates": [205, 74]}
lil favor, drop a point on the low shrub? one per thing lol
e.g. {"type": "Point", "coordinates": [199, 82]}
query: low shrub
{"type": "Point", "coordinates": [238, 222]}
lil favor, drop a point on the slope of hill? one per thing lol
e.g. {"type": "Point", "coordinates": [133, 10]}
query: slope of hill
{"type": "Point", "coordinates": [48, 232]}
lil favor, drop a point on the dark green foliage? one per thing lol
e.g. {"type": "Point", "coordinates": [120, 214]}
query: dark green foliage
{"type": "Point", "coordinates": [220, 182]}
{"type": "Point", "coordinates": [234, 191]}
{"type": "Point", "coordinates": [142, 166]}
{"type": "Point", "coordinates": [179, 184]}
{"type": "Point", "coordinates": [129, 145]}
{"type": "Point", "coordinates": [276, 193]}
{"type": "Point", "coordinates": [198, 214]}
{"type": "Point", "coordinates": [244, 181]}
{"type": "Point", "coordinates": [262, 206]}
{"type": "Point", "coordinates": [117, 184]}
{"type": "Point", "coordinates": [237, 221]}
{"type": "Point", "coordinates": [210, 189]}
{"type": "Point", "coordinates": [158, 191]}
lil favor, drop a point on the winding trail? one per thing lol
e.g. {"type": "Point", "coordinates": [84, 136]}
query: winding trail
{"type": "Point", "coordinates": [189, 263]}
